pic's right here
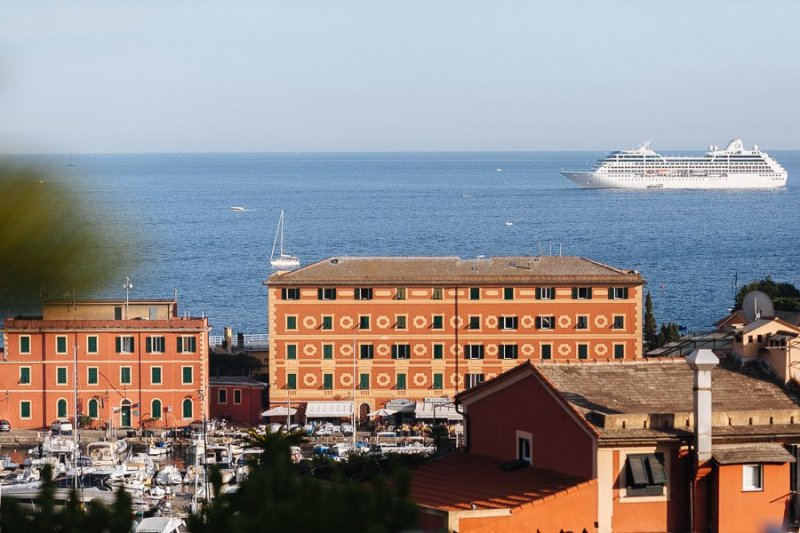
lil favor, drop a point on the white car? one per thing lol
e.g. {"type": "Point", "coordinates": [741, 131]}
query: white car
{"type": "Point", "coordinates": [61, 426]}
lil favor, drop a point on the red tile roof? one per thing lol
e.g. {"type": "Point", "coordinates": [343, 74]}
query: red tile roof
{"type": "Point", "coordinates": [466, 481]}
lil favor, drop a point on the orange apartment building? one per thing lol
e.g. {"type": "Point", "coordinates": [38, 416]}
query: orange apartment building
{"type": "Point", "coordinates": [371, 330]}
{"type": "Point", "coordinates": [138, 364]}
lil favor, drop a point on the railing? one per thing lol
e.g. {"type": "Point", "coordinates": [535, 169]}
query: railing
{"type": "Point", "coordinates": [261, 339]}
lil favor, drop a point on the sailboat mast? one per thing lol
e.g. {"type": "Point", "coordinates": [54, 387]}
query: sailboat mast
{"type": "Point", "coordinates": [278, 232]}
{"type": "Point", "coordinates": [281, 233]}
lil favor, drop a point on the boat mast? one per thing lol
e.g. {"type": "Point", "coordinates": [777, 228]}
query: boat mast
{"type": "Point", "coordinates": [281, 232]}
{"type": "Point", "coordinates": [278, 232]}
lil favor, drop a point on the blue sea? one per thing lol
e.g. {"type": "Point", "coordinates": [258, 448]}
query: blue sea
{"type": "Point", "coordinates": [689, 245]}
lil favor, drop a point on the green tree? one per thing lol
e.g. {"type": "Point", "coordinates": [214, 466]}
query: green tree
{"type": "Point", "coordinates": [277, 497]}
{"type": "Point", "coordinates": [650, 326]}
{"type": "Point", "coordinates": [670, 332]}
{"type": "Point", "coordinates": [784, 296]}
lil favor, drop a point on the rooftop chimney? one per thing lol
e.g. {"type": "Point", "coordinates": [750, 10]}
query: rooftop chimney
{"type": "Point", "coordinates": [702, 362]}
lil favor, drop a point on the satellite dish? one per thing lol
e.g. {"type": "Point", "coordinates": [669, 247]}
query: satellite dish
{"type": "Point", "coordinates": [757, 305]}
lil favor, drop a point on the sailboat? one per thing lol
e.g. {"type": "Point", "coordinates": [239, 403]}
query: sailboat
{"type": "Point", "coordinates": [283, 261]}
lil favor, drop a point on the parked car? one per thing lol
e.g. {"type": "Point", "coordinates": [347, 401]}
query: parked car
{"type": "Point", "coordinates": [61, 426]}
{"type": "Point", "coordinates": [5, 425]}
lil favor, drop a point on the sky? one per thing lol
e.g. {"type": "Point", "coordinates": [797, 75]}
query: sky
{"type": "Point", "coordinates": [278, 76]}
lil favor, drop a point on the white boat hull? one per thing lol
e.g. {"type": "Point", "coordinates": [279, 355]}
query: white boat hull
{"type": "Point", "coordinates": [600, 180]}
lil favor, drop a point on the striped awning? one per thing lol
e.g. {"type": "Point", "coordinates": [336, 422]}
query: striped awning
{"type": "Point", "coordinates": [329, 409]}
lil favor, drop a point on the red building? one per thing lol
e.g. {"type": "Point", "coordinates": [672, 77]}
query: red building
{"type": "Point", "coordinates": [238, 399]}
{"type": "Point", "coordinates": [133, 363]}
{"type": "Point", "coordinates": [625, 433]}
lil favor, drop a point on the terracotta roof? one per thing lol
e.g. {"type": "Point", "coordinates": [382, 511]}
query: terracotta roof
{"type": "Point", "coordinates": [765, 452]}
{"type": "Point", "coordinates": [467, 481]}
{"type": "Point", "coordinates": [451, 270]}
{"type": "Point", "coordinates": [664, 386]}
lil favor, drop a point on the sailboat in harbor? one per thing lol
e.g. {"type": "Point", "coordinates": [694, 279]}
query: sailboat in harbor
{"type": "Point", "coordinates": [283, 261]}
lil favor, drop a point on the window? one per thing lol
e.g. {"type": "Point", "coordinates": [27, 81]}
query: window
{"type": "Point", "coordinates": [581, 293]}
{"type": "Point", "coordinates": [222, 396]}
{"type": "Point", "coordinates": [118, 313]}
{"type": "Point", "coordinates": [326, 293]}
{"type": "Point", "coordinates": [61, 344]}
{"type": "Point", "coordinates": [155, 375]}
{"type": "Point", "coordinates": [155, 409]}
{"type": "Point", "coordinates": [92, 408]}
{"type": "Point", "coordinates": [327, 381]}
{"type": "Point", "coordinates": [186, 375]}
{"type": "Point", "coordinates": [155, 345]}
{"type": "Point", "coordinates": [546, 351]}
{"type": "Point", "coordinates": [363, 381]}
{"type": "Point", "coordinates": [438, 293]}
{"type": "Point", "coordinates": [291, 351]}
{"type": "Point", "coordinates": [91, 375]}
{"type": "Point", "coordinates": [363, 293]}
{"type": "Point", "coordinates": [474, 293]}
{"type": "Point", "coordinates": [508, 351]}
{"type": "Point", "coordinates": [363, 322]}
{"type": "Point", "coordinates": [25, 409]}
{"type": "Point", "coordinates": [61, 375]}
{"type": "Point", "coordinates": [752, 477]}
{"type": "Point", "coordinates": [438, 351]}
{"type": "Point", "coordinates": [508, 322]}
{"type": "Point", "coordinates": [125, 375]}
{"type": "Point", "coordinates": [474, 351]}
{"type": "Point", "coordinates": [524, 446]}
{"type": "Point", "coordinates": [291, 323]}
{"type": "Point", "coordinates": [401, 382]}
{"type": "Point", "coordinates": [474, 322]}
{"type": "Point", "coordinates": [645, 474]}
{"type": "Point", "coordinates": [401, 322]}
{"type": "Point", "coordinates": [619, 322]}
{"type": "Point", "coordinates": [25, 344]}
{"type": "Point", "coordinates": [618, 293]}
{"type": "Point", "coordinates": [545, 322]}
{"type": "Point", "coordinates": [124, 344]}
{"type": "Point", "coordinates": [237, 396]}
{"type": "Point", "coordinates": [25, 375]}
{"type": "Point", "coordinates": [438, 380]}
{"type": "Point", "coordinates": [400, 293]}
{"type": "Point", "coordinates": [367, 351]}
{"type": "Point", "coordinates": [545, 293]}
{"type": "Point", "coordinates": [582, 322]}
{"type": "Point", "coordinates": [437, 322]}
{"type": "Point", "coordinates": [401, 351]}
{"type": "Point", "coordinates": [472, 380]}
{"type": "Point", "coordinates": [291, 381]}
{"type": "Point", "coordinates": [327, 322]}
{"type": "Point", "coordinates": [91, 344]}
{"type": "Point", "coordinates": [187, 344]}
{"type": "Point", "coordinates": [188, 408]}
{"type": "Point", "coordinates": [327, 351]}
{"type": "Point", "coordinates": [508, 293]}
{"type": "Point", "coordinates": [583, 351]}
{"type": "Point", "coordinates": [61, 408]}
{"type": "Point", "coordinates": [619, 351]}
{"type": "Point", "coordinates": [290, 293]}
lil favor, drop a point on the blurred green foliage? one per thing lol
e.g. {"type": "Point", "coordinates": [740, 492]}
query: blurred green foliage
{"type": "Point", "coordinates": [52, 245]}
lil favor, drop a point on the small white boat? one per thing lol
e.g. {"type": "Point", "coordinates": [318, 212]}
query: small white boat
{"type": "Point", "coordinates": [509, 223]}
{"type": "Point", "coordinates": [238, 208]}
{"type": "Point", "coordinates": [283, 261]}
{"type": "Point", "coordinates": [159, 449]}
{"type": "Point", "coordinates": [161, 524]}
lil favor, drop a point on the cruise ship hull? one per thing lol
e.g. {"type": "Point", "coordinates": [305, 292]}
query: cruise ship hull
{"type": "Point", "coordinates": [600, 180]}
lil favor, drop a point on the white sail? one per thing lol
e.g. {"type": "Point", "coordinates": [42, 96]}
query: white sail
{"type": "Point", "coordinates": [283, 260]}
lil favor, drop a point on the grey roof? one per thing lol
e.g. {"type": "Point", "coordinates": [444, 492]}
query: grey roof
{"type": "Point", "coordinates": [452, 270]}
{"type": "Point", "coordinates": [763, 452]}
{"type": "Point", "coordinates": [235, 380]}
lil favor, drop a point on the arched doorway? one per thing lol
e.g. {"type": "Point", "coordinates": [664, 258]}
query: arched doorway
{"type": "Point", "coordinates": [187, 411]}
{"type": "Point", "coordinates": [363, 413]}
{"type": "Point", "coordinates": [61, 408]}
{"type": "Point", "coordinates": [93, 408]}
{"type": "Point", "coordinates": [125, 414]}
{"type": "Point", "coordinates": [155, 411]}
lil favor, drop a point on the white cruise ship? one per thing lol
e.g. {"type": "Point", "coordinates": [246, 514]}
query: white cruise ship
{"type": "Point", "coordinates": [731, 168]}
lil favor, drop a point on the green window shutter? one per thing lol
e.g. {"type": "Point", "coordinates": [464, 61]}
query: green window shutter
{"type": "Point", "coordinates": [156, 409]}
{"type": "Point", "coordinates": [25, 409]}
{"type": "Point", "coordinates": [179, 344]}
{"type": "Point", "coordinates": [438, 351]}
{"type": "Point", "coordinates": [574, 293]}
{"type": "Point", "coordinates": [394, 351]}
{"type": "Point", "coordinates": [125, 375]}
{"type": "Point", "coordinates": [319, 294]}
{"type": "Point", "coordinates": [291, 351]}
{"type": "Point", "coordinates": [327, 381]}
{"type": "Point", "coordinates": [92, 377]}
{"type": "Point", "coordinates": [187, 374]}
{"type": "Point", "coordinates": [327, 351]}
{"type": "Point", "coordinates": [92, 342]}
{"type": "Point", "coordinates": [61, 376]}
{"type": "Point", "coordinates": [364, 382]}
{"type": "Point", "coordinates": [283, 293]}
{"type": "Point", "coordinates": [538, 322]}
{"type": "Point", "coordinates": [437, 381]}
{"type": "Point", "coordinates": [149, 344]}
{"type": "Point", "coordinates": [61, 344]}
{"type": "Point", "coordinates": [508, 293]}
{"type": "Point", "coordinates": [291, 381]}
{"type": "Point", "coordinates": [625, 293]}
{"type": "Point", "coordinates": [193, 343]}
{"type": "Point", "coordinates": [25, 344]}
{"type": "Point", "coordinates": [619, 351]}
{"type": "Point", "coordinates": [61, 408]}
{"type": "Point", "coordinates": [547, 351]}
{"type": "Point", "coordinates": [25, 375]}
{"type": "Point", "coordinates": [538, 293]}
{"type": "Point", "coordinates": [589, 292]}
{"type": "Point", "coordinates": [611, 293]}
{"type": "Point", "coordinates": [155, 375]}
{"type": "Point", "coordinates": [401, 381]}
{"type": "Point", "coordinates": [92, 408]}
{"type": "Point", "coordinates": [187, 409]}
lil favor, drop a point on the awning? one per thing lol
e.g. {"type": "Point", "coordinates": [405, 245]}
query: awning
{"type": "Point", "coordinates": [329, 410]}
{"type": "Point", "coordinates": [401, 405]}
{"type": "Point", "coordinates": [279, 411]}
{"type": "Point", "coordinates": [439, 409]}
{"type": "Point", "coordinates": [382, 412]}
